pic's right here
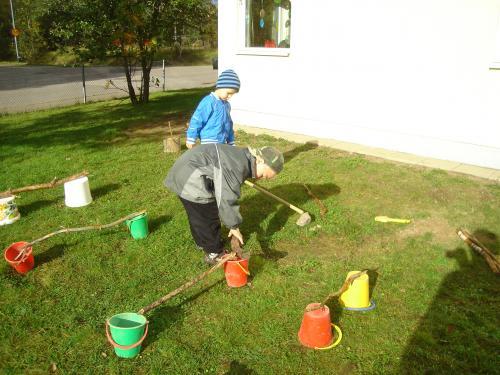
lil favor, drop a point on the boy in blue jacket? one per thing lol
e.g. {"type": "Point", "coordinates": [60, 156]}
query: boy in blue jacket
{"type": "Point", "coordinates": [211, 122]}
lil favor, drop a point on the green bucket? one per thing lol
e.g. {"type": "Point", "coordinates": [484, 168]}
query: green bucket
{"type": "Point", "coordinates": [138, 226]}
{"type": "Point", "coordinates": [128, 331]}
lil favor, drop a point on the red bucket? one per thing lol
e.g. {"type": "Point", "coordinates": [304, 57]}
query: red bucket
{"type": "Point", "coordinates": [236, 272]}
{"type": "Point", "coordinates": [24, 263]}
{"type": "Point", "coordinates": [316, 328]}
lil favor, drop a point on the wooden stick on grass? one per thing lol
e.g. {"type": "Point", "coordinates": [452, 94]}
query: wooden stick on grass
{"type": "Point", "coordinates": [187, 285]}
{"type": "Point", "coordinates": [170, 128]}
{"type": "Point", "coordinates": [47, 185]}
{"type": "Point", "coordinates": [80, 229]}
{"type": "Point", "coordinates": [479, 248]}
{"type": "Point", "coordinates": [342, 289]}
{"type": "Point", "coordinates": [322, 208]}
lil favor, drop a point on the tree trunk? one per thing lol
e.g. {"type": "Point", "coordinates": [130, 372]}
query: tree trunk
{"type": "Point", "coordinates": [146, 73]}
{"type": "Point", "coordinates": [130, 86]}
{"type": "Point", "coordinates": [146, 64]}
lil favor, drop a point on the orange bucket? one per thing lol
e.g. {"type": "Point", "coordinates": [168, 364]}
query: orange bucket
{"type": "Point", "coordinates": [23, 264]}
{"type": "Point", "coordinates": [316, 328]}
{"type": "Point", "coordinates": [236, 272]}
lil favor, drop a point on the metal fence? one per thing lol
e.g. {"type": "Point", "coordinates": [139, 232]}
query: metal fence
{"type": "Point", "coordinates": [28, 88]}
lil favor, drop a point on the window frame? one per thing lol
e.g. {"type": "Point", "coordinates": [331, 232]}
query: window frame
{"type": "Point", "coordinates": [495, 62]}
{"type": "Point", "coordinates": [242, 49]}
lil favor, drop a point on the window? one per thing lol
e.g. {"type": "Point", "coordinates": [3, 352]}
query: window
{"type": "Point", "coordinates": [267, 23]}
{"type": "Point", "coordinates": [495, 64]}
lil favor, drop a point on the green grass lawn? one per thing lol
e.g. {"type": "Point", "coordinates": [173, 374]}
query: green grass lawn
{"type": "Point", "coordinates": [437, 302]}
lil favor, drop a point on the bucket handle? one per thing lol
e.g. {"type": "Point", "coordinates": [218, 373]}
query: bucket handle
{"type": "Point", "coordinates": [131, 220]}
{"type": "Point", "coordinates": [25, 256]}
{"type": "Point", "coordinates": [243, 268]}
{"type": "Point", "coordinates": [125, 347]}
{"type": "Point", "coordinates": [339, 337]}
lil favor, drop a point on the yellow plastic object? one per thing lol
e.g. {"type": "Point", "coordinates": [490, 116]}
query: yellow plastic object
{"type": "Point", "coordinates": [358, 294]}
{"type": "Point", "coordinates": [336, 342]}
{"type": "Point", "coordinates": [385, 219]}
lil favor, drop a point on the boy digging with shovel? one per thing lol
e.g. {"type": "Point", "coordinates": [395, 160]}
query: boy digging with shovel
{"type": "Point", "coordinates": [208, 179]}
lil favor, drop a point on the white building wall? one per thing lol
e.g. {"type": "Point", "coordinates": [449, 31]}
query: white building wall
{"type": "Point", "coordinates": [411, 76]}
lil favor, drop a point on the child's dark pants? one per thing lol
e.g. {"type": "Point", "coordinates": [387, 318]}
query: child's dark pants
{"type": "Point", "coordinates": [205, 225]}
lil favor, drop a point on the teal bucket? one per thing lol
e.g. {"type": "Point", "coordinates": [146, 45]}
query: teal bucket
{"type": "Point", "coordinates": [138, 226]}
{"type": "Point", "coordinates": [128, 331]}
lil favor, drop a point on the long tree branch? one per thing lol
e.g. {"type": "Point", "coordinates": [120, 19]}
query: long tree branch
{"type": "Point", "coordinates": [80, 229]}
{"type": "Point", "coordinates": [48, 185]}
{"type": "Point", "coordinates": [187, 285]}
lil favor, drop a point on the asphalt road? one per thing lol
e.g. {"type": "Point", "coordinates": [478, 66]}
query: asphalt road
{"type": "Point", "coordinates": [27, 88]}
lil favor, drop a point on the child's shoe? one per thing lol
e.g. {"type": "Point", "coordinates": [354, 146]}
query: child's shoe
{"type": "Point", "coordinates": [213, 258]}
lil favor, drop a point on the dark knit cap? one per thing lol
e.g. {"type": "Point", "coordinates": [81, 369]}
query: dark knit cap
{"type": "Point", "coordinates": [272, 157]}
{"type": "Point", "coordinates": [228, 79]}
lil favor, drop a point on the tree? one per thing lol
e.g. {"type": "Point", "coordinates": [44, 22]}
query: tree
{"type": "Point", "coordinates": [6, 49]}
{"type": "Point", "coordinates": [131, 30]}
{"type": "Point", "coordinates": [31, 42]}
{"type": "Point", "coordinates": [192, 18]}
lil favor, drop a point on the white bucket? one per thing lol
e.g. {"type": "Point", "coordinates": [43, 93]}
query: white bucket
{"type": "Point", "coordinates": [77, 192]}
{"type": "Point", "coordinates": [8, 211]}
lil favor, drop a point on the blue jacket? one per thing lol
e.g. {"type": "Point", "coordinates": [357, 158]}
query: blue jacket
{"type": "Point", "coordinates": [211, 122]}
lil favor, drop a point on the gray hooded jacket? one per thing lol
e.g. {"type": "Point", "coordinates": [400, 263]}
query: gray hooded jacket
{"type": "Point", "coordinates": [211, 172]}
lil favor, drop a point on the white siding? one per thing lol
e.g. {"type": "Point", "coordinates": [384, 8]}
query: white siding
{"type": "Point", "coordinates": [411, 76]}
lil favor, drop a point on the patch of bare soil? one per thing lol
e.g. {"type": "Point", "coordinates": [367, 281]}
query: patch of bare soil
{"type": "Point", "coordinates": [440, 229]}
{"type": "Point", "coordinates": [178, 123]}
{"type": "Point", "coordinates": [328, 246]}
{"type": "Point", "coordinates": [320, 246]}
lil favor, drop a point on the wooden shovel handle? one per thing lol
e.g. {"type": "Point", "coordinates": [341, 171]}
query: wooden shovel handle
{"type": "Point", "coordinates": [268, 193]}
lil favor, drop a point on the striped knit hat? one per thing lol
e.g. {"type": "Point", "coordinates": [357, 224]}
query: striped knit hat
{"type": "Point", "coordinates": [228, 79]}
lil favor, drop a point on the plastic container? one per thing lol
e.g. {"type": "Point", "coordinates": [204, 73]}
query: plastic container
{"type": "Point", "coordinates": [357, 296]}
{"type": "Point", "coordinates": [8, 211]}
{"type": "Point", "coordinates": [236, 272]}
{"type": "Point", "coordinates": [316, 328]}
{"type": "Point", "coordinates": [77, 192]}
{"type": "Point", "coordinates": [138, 226]}
{"type": "Point", "coordinates": [126, 332]}
{"type": "Point", "coordinates": [24, 263]}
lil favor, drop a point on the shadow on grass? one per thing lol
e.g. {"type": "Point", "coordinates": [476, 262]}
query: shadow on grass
{"type": "Point", "coordinates": [165, 316]}
{"type": "Point", "coordinates": [289, 155]}
{"type": "Point", "coordinates": [373, 277]}
{"type": "Point", "coordinates": [237, 368]}
{"type": "Point", "coordinates": [103, 190]}
{"type": "Point", "coordinates": [155, 223]}
{"type": "Point", "coordinates": [257, 208]}
{"type": "Point", "coordinates": [459, 332]}
{"type": "Point", "coordinates": [96, 125]}
{"type": "Point", "coordinates": [336, 310]}
{"type": "Point", "coordinates": [50, 254]}
{"type": "Point", "coordinates": [28, 209]}
{"type": "Point", "coordinates": [160, 320]}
